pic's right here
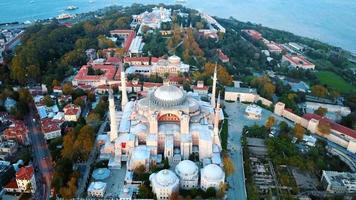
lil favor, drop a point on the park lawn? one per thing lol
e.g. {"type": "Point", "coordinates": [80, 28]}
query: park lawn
{"type": "Point", "coordinates": [334, 81]}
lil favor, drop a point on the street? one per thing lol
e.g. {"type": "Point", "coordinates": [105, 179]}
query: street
{"type": "Point", "coordinates": [42, 161]}
{"type": "Point", "coordinates": [237, 120]}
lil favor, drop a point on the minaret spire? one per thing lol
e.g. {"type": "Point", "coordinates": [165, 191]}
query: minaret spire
{"type": "Point", "coordinates": [123, 90]}
{"type": "Point", "coordinates": [216, 123]}
{"type": "Point", "coordinates": [112, 113]}
{"type": "Point", "coordinates": [213, 92]}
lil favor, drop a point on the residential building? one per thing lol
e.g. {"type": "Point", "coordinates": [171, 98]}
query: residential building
{"type": "Point", "coordinates": [51, 128]}
{"type": "Point", "coordinates": [71, 112]}
{"type": "Point", "coordinates": [200, 88]}
{"type": "Point", "coordinates": [18, 132]}
{"type": "Point", "coordinates": [339, 182]}
{"type": "Point", "coordinates": [253, 34]}
{"type": "Point", "coordinates": [7, 148]}
{"type": "Point", "coordinates": [127, 35]}
{"type": "Point", "coordinates": [297, 61]}
{"type": "Point", "coordinates": [136, 46]}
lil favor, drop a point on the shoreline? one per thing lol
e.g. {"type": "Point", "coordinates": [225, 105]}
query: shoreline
{"type": "Point", "coordinates": [107, 8]}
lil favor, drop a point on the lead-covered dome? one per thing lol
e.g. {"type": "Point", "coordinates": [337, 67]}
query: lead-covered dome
{"type": "Point", "coordinates": [168, 95]}
{"type": "Point", "coordinates": [174, 60]}
{"type": "Point", "coordinates": [166, 178]}
{"type": "Point", "coordinates": [213, 172]}
{"type": "Point", "coordinates": [186, 168]}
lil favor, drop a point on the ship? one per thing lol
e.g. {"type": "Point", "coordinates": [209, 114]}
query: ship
{"type": "Point", "coordinates": [71, 8]}
{"type": "Point", "coordinates": [64, 16]}
{"type": "Point", "coordinates": [181, 1]}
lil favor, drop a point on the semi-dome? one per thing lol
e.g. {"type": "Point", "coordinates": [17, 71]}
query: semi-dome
{"type": "Point", "coordinates": [186, 168]}
{"type": "Point", "coordinates": [166, 177]}
{"type": "Point", "coordinates": [213, 172]}
{"type": "Point", "coordinates": [174, 59]}
{"type": "Point", "coordinates": [168, 95]}
{"type": "Point", "coordinates": [101, 173]}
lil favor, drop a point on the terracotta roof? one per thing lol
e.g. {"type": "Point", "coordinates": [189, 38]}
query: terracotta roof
{"type": "Point", "coordinates": [71, 109]}
{"type": "Point", "coordinates": [113, 60]}
{"type": "Point", "coordinates": [12, 184]}
{"type": "Point", "coordinates": [297, 60]}
{"type": "Point", "coordinates": [18, 128]}
{"type": "Point", "coordinates": [136, 59]}
{"type": "Point", "coordinates": [129, 36]}
{"type": "Point", "coordinates": [253, 33]}
{"type": "Point", "coordinates": [25, 173]}
{"type": "Point", "coordinates": [335, 126]}
{"type": "Point", "coordinates": [154, 59]}
{"type": "Point", "coordinates": [57, 87]}
{"type": "Point", "coordinates": [200, 88]}
{"type": "Point", "coordinates": [109, 72]}
{"type": "Point", "coordinates": [150, 84]}
{"type": "Point", "coordinates": [50, 125]}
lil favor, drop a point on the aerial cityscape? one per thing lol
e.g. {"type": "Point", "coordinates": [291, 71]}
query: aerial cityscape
{"type": "Point", "coordinates": [165, 100]}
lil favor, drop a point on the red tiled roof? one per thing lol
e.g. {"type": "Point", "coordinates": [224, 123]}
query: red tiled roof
{"type": "Point", "coordinates": [129, 36]}
{"type": "Point", "coordinates": [297, 60]}
{"type": "Point", "coordinates": [12, 184]}
{"type": "Point", "coordinates": [137, 59]}
{"type": "Point", "coordinates": [109, 72]}
{"type": "Point", "coordinates": [17, 131]}
{"type": "Point", "coordinates": [71, 109]}
{"type": "Point", "coordinates": [150, 84]}
{"type": "Point", "coordinates": [25, 173]}
{"type": "Point", "coordinates": [272, 46]}
{"type": "Point", "coordinates": [253, 33]}
{"type": "Point", "coordinates": [57, 88]}
{"type": "Point", "coordinates": [50, 125]}
{"type": "Point", "coordinates": [335, 126]}
{"type": "Point", "coordinates": [113, 60]}
{"type": "Point", "coordinates": [200, 88]}
{"type": "Point", "coordinates": [154, 59]}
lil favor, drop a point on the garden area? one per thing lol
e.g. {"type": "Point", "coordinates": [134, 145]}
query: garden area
{"type": "Point", "coordinates": [334, 81]}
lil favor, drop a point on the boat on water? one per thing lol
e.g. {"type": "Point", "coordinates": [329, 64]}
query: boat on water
{"type": "Point", "coordinates": [72, 8]}
{"type": "Point", "coordinates": [181, 1]}
{"type": "Point", "coordinates": [91, 1]}
{"type": "Point", "coordinates": [64, 16]}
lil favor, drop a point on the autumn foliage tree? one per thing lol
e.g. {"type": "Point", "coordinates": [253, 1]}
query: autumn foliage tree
{"type": "Point", "coordinates": [319, 90]}
{"type": "Point", "coordinates": [222, 74]}
{"type": "Point", "coordinates": [324, 127]}
{"type": "Point", "coordinates": [299, 131]}
{"type": "Point", "coordinates": [68, 192]}
{"type": "Point", "coordinates": [270, 122]}
{"type": "Point", "coordinates": [229, 167]}
{"type": "Point", "coordinates": [321, 111]}
{"type": "Point", "coordinates": [264, 86]}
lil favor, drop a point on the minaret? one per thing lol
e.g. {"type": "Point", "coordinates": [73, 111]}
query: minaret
{"type": "Point", "coordinates": [216, 123]}
{"type": "Point", "coordinates": [123, 90]}
{"type": "Point", "coordinates": [212, 100]}
{"type": "Point", "coordinates": [113, 123]}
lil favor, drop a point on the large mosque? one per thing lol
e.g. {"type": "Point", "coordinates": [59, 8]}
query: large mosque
{"type": "Point", "coordinates": [169, 123]}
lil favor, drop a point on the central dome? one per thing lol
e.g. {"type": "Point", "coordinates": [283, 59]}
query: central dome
{"type": "Point", "coordinates": [168, 95]}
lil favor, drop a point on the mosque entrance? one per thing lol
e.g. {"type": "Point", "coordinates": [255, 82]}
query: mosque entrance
{"type": "Point", "coordinates": [168, 118]}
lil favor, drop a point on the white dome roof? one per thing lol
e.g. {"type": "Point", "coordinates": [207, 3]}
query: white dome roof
{"type": "Point", "coordinates": [168, 95]}
{"type": "Point", "coordinates": [166, 177]}
{"type": "Point", "coordinates": [174, 59]}
{"type": "Point", "coordinates": [186, 168]}
{"type": "Point", "coordinates": [213, 172]}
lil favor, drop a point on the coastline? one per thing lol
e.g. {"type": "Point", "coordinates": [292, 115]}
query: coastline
{"type": "Point", "coordinates": [79, 16]}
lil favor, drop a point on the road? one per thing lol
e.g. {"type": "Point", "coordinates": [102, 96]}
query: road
{"type": "Point", "coordinates": [84, 177]}
{"type": "Point", "coordinates": [42, 160]}
{"type": "Point", "coordinates": [237, 120]}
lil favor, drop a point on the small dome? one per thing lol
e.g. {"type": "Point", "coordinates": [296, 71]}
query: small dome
{"type": "Point", "coordinates": [166, 177]}
{"type": "Point", "coordinates": [98, 185]}
{"type": "Point", "coordinates": [213, 172]}
{"type": "Point", "coordinates": [186, 168]}
{"type": "Point", "coordinates": [168, 95]}
{"type": "Point", "coordinates": [174, 59]}
{"type": "Point", "coordinates": [101, 173]}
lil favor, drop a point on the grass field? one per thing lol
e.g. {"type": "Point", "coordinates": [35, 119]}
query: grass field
{"type": "Point", "coordinates": [333, 80]}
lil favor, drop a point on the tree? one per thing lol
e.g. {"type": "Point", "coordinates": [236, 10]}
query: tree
{"type": "Point", "coordinates": [321, 111]}
{"type": "Point", "coordinates": [105, 43]}
{"type": "Point", "coordinates": [324, 127]}
{"type": "Point", "coordinates": [68, 145]}
{"type": "Point", "coordinates": [34, 72]}
{"type": "Point", "coordinates": [222, 190]}
{"type": "Point", "coordinates": [319, 90]}
{"type": "Point", "coordinates": [166, 163]}
{"type": "Point", "coordinates": [79, 102]}
{"type": "Point", "coordinates": [67, 89]}
{"type": "Point", "coordinates": [93, 119]}
{"type": "Point", "coordinates": [229, 167]}
{"type": "Point", "coordinates": [270, 122]}
{"type": "Point", "coordinates": [47, 100]}
{"type": "Point", "coordinates": [69, 191]}
{"type": "Point", "coordinates": [299, 131]}
{"type": "Point", "coordinates": [210, 193]}
{"type": "Point", "coordinates": [144, 192]}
